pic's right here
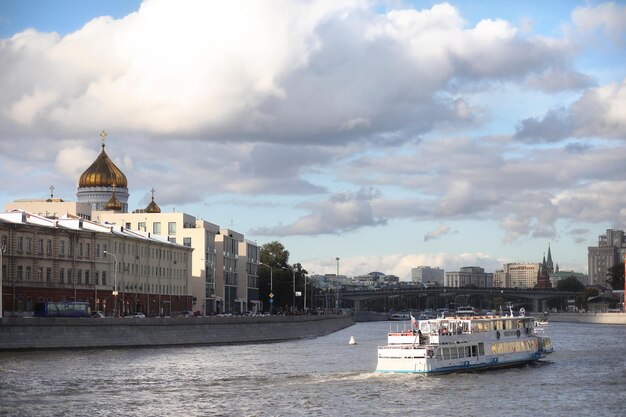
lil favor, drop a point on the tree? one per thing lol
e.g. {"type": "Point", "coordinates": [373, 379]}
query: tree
{"type": "Point", "coordinates": [615, 276]}
{"type": "Point", "coordinates": [274, 254]}
{"type": "Point", "coordinates": [570, 284]}
{"type": "Point", "coordinates": [280, 282]}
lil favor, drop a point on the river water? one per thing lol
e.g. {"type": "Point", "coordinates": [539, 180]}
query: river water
{"type": "Point", "coordinates": [586, 376]}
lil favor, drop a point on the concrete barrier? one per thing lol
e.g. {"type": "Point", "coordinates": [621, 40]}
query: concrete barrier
{"type": "Point", "coordinates": [60, 333]}
{"type": "Point", "coordinates": [597, 318]}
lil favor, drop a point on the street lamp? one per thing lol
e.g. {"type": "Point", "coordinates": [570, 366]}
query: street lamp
{"type": "Point", "coordinates": [211, 289]}
{"type": "Point", "coordinates": [114, 283]}
{"type": "Point", "coordinates": [2, 249]}
{"type": "Point", "coordinates": [337, 302]}
{"type": "Point", "coordinates": [271, 287]}
{"type": "Point", "coordinates": [293, 272]}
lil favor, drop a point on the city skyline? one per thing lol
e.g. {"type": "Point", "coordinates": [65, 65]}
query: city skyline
{"type": "Point", "coordinates": [389, 135]}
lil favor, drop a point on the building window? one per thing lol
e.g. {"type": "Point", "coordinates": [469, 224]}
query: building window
{"type": "Point", "coordinates": [97, 278]}
{"type": "Point", "coordinates": [171, 228]}
{"type": "Point", "coordinates": [187, 242]}
{"type": "Point", "coordinates": [141, 226]}
{"type": "Point", "coordinates": [86, 277]}
{"type": "Point", "coordinates": [40, 274]}
{"type": "Point", "coordinates": [104, 278]}
{"type": "Point", "coordinates": [48, 274]}
{"type": "Point", "coordinates": [156, 228]}
{"type": "Point", "coordinates": [79, 276]}
{"type": "Point", "coordinates": [128, 225]}
{"type": "Point", "coordinates": [62, 276]}
{"type": "Point", "coordinates": [29, 274]}
{"type": "Point", "coordinates": [80, 249]}
{"type": "Point", "coordinates": [88, 250]}
{"type": "Point", "coordinates": [20, 244]}
{"type": "Point", "coordinates": [171, 239]}
{"type": "Point", "coordinates": [49, 247]}
{"type": "Point", "coordinates": [41, 246]}
{"type": "Point", "coordinates": [62, 248]}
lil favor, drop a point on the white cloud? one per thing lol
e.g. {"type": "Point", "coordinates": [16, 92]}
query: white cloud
{"type": "Point", "coordinates": [73, 161]}
{"type": "Point", "coordinates": [342, 212]}
{"type": "Point", "coordinates": [401, 264]}
{"type": "Point", "coordinates": [607, 18]}
{"type": "Point", "coordinates": [437, 233]}
{"type": "Point", "coordinates": [279, 72]}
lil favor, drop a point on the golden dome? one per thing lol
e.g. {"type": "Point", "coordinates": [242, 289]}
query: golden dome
{"type": "Point", "coordinates": [153, 207]}
{"type": "Point", "coordinates": [103, 173]}
{"type": "Point", "coordinates": [114, 204]}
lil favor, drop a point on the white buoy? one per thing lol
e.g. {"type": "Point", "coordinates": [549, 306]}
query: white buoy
{"type": "Point", "coordinates": [352, 341]}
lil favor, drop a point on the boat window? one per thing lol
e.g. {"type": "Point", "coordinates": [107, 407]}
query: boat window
{"type": "Point", "coordinates": [453, 353]}
{"type": "Point", "coordinates": [474, 350]}
{"type": "Point", "coordinates": [468, 351]}
{"type": "Point", "coordinates": [499, 325]}
{"type": "Point", "coordinates": [481, 349]}
{"type": "Point", "coordinates": [446, 353]}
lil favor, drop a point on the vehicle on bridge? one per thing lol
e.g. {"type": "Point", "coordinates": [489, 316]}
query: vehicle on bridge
{"type": "Point", "coordinates": [62, 309]}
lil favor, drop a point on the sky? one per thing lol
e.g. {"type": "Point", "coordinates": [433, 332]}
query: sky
{"type": "Point", "coordinates": [389, 134]}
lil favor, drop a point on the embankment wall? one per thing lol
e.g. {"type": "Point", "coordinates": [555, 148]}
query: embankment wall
{"type": "Point", "coordinates": [60, 333]}
{"type": "Point", "coordinates": [597, 318]}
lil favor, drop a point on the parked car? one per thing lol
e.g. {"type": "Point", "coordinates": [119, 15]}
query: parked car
{"type": "Point", "coordinates": [136, 315]}
{"type": "Point", "coordinates": [98, 315]}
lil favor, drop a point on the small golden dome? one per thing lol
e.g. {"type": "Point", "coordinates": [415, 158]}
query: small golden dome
{"type": "Point", "coordinates": [114, 204]}
{"type": "Point", "coordinates": [103, 173]}
{"type": "Point", "coordinates": [153, 207]}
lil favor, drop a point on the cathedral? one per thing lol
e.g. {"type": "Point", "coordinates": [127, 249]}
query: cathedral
{"type": "Point", "coordinates": [103, 185]}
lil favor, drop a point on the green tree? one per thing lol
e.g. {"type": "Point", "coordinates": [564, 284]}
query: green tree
{"type": "Point", "coordinates": [615, 276]}
{"type": "Point", "coordinates": [570, 284]}
{"type": "Point", "coordinates": [274, 254]}
{"type": "Point", "coordinates": [581, 299]}
{"type": "Point", "coordinates": [280, 281]}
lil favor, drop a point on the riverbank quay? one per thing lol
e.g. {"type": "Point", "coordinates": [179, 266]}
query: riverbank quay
{"type": "Point", "coordinates": [364, 316]}
{"type": "Point", "coordinates": [596, 318]}
{"type": "Point", "coordinates": [40, 333]}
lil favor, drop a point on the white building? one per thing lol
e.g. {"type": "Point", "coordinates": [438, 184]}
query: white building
{"type": "Point", "coordinates": [427, 275]}
{"type": "Point", "coordinates": [469, 276]}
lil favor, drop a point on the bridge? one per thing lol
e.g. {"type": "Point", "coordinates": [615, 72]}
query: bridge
{"type": "Point", "coordinates": [353, 298]}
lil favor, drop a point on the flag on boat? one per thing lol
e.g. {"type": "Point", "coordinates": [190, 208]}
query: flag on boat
{"type": "Point", "coordinates": [413, 321]}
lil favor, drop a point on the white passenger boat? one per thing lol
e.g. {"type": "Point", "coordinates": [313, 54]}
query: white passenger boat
{"type": "Point", "coordinates": [461, 344]}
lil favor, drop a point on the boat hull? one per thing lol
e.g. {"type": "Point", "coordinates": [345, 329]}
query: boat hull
{"type": "Point", "coordinates": [430, 366]}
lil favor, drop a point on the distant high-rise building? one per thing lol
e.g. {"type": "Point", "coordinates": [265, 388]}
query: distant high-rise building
{"type": "Point", "coordinates": [609, 252]}
{"type": "Point", "coordinates": [427, 275]}
{"type": "Point", "coordinates": [520, 275]}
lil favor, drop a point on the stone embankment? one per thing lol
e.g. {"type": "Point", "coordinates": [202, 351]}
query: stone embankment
{"type": "Point", "coordinates": [596, 318]}
{"type": "Point", "coordinates": [61, 333]}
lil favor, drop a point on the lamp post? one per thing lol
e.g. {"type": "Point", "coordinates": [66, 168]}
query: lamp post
{"type": "Point", "coordinates": [271, 287]}
{"type": "Point", "coordinates": [212, 291]}
{"type": "Point", "coordinates": [293, 273]}
{"type": "Point", "coordinates": [2, 249]}
{"type": "Point", "coordinates": [114, 283]}
{"type": "Point", "coordinates": [337, 302]}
